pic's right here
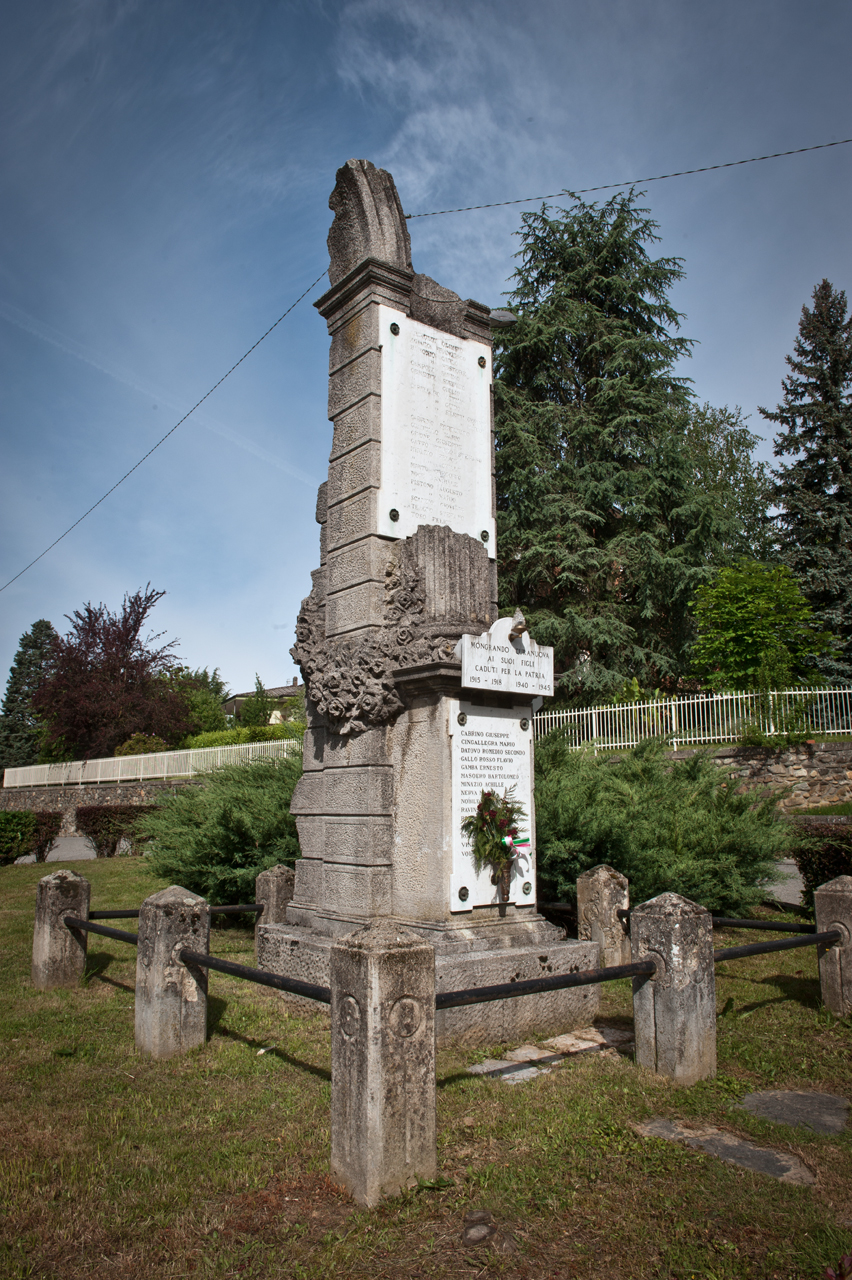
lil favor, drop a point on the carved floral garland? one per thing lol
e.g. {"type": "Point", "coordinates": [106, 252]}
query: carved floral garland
{"type": "Point", "coordinates": [350, 681]}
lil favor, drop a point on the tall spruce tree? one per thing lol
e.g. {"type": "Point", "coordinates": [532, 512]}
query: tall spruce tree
{"type": "Point", "coordinates": [603, 532]}
{"type": "Point", "coordinates": [20, 731]}
{"type": "Point", "coordinates": [814, 490]}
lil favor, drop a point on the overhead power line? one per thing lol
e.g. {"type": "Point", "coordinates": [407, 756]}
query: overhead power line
{"type": "Point", "coordinates": [163, 439]}
{"type": "Point", "coordinates": [609, 186]}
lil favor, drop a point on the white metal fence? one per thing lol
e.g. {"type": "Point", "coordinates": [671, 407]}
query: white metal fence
{"type": "Point", "coordinates": [157, 764]}
{"type": "Point", "coordinates": [703, 718]}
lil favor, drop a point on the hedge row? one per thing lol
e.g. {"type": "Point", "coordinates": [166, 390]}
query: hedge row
{"type": "Point", "coordinates": [824, 853]}
{"type": "Point", "coordinates": [106, 825]}
{"type": "Point", "coordinates": [29, 832]}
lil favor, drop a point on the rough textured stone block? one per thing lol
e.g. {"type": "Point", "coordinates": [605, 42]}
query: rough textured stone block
{"type": "Point", "coordinates": [356, 426]}
{"type": "Point", "coordinates": [383, 1124]}
{"type": "Point", "coordinates": [308, 794]}
{"type": "Point", "coordinates": [366, 561]}
{"type": "Point", "coordinates": [171, 997]}
{"type": "Point", "coordinates": [359, 892]}
{"type": "Point", "coordinates": [351, 519]}
{"type": "Point", "coordinates": [675, 1011]}
{"type": "Point", "coordinates": [366, 789]}
{"type": "Point", "coordinates": [59, 953]}
{"type": "Point", "coordinates": [308, 881]}
{"type": "Point", "coordinates": [365, 841]}
{"type": "Point", "coordinates": [508, 1021]}
{"type": "Point", "coordinates": [354, 380]}
{"type": "Point", "coordinates": [355, 608]}
{"type": "Point", "coordinates": [273, 889]}
{"type": "Point", "coordinates": [358, 470]}
{"type": "Point", "coordinates": [601, 892]}
{"type": "Point", "coordinates": [833, 902]}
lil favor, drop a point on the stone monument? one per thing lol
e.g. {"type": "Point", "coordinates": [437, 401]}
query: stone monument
{"type": "Point", "coordinates": [418, 696]}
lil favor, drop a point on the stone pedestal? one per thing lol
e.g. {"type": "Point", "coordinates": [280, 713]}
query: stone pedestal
{"type": "Point", "coordinates": [382, 1062]}
{"type": "Point", "coordinates": [675, 1011]}
{"type": "Point", "coordinates": [833, 903]}
{"type": "Point", "coordinates": [171, 997]}
{"type": "Point", "coordinates": [601, 892]}
{"type": "Point", "coordinates": [273, 889]}
{"type": "Point", "coordinates": [59, 953]}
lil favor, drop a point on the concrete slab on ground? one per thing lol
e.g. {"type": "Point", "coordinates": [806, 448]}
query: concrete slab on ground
{"type": "Point", "coordinates": [822, 1112]}
{"type": "Point", "coordinates": [733, 1150]}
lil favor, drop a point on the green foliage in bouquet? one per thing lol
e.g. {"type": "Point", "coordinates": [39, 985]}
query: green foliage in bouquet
{"type": "Point", "coordinates": [491, 831]}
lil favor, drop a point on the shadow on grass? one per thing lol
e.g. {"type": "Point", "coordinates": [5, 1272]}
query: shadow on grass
{"type": "Point", "coordinates": [216, 1009]}
{"type": "Point", "coordinates": [97, 963]}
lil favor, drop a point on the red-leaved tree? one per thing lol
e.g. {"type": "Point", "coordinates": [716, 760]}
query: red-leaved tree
{"type": "Point", "coordinates": [106, 682]}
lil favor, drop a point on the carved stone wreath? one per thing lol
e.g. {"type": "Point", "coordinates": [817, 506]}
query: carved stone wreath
{"type": "Point", "coordinates": [350, 681]}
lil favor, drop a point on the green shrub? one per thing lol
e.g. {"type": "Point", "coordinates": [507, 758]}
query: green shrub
{"type": "Point", "coordinates": [16, 833]}
{"type": "Point", "coordinates": [214, 838]}
{"type": "Point", "coordinates": [251, 733]}
{"type": "Point", "coordinates": [28, 832]}
{"type": "Point", "coordinates": [677, 825]}
{"type": "Point", "coordinates": [823, 853]}
{"type": "Point", "coordinates": [142, 744]}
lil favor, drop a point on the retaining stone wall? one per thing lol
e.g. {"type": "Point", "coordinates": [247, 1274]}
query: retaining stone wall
{"type": "Point", "coordinates": [812, 775]}
{"type": "Point", "coordinates": [66, 800]}
{"type": "Point", "coordinates": [819, 774]}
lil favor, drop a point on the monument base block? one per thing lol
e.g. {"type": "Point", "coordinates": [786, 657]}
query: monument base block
{"type": "Point", "coordinates": [466, 957]}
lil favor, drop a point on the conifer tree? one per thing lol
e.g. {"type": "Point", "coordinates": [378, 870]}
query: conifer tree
{"type": "Point", "coordinates": [814, 489]}
{"type": "Point", "coordinates": [20, 735]}
{"type": "Point", "coordinates": [603, 534]}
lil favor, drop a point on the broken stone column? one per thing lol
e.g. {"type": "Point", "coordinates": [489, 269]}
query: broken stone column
{"type": "Point", "coordinates": [273, 889]}
{"type": "Point", "coordinates": [382, 1061]}
{"type": "Point", "coordinates": [171, 997]}
{"type": "Point", "coordinates": [59, 953]}
{"type": "Point", "coordinates": [833, 903]}
{"type": "Point", "coordinates": [675, 1010]}
{"type": "Point", "coordinates": [601, 892]}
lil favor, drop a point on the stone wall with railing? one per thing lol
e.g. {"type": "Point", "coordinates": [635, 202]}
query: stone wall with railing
{"type": "Point", "coordinates": [65, 800]}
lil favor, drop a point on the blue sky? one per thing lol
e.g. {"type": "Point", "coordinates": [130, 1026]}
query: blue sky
{"type": "Point", "coordinates": [165, 167]}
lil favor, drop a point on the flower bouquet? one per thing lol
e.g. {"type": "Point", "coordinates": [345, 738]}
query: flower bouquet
{"type": "Point", "coordinates": [493, 835]}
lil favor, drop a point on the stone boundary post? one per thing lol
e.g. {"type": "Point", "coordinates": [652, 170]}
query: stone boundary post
{"type": "Point", "coordinates": [675, 1011]}
{"type": "Point", "coordinates": [59, 953]}
{"type": "Point", "coordinates": [601, 892]}
{"type": "Point", "coordinates": [383, 1126]}
{"type": "Point", "coordinates": [273, 888]}
{"type": "Point", "coordinates": [171, 997]}
{"type": "Point", "coordinates": [833, 902]}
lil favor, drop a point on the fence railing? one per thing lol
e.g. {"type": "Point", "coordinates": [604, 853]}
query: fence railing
{"type": "Point", "coordinates": [703, 718]}
{"type": "Point", "coordinates": [155, 765]}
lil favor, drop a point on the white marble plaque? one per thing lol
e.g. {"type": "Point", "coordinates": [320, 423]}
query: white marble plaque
{"type": "Point", "coordinates": [436, 431]}
{"type": "Point", "coordinates": [491, 751]}
{"type": "Point", "coordinates": [495, 660]}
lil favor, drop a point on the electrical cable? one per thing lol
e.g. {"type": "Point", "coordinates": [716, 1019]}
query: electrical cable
{"type": "Point", "coordinates": [609, 186]}
{"type": "Point", "coordinates": [434, 213]}
{"type": "Point", "coordinates": [170, 432]}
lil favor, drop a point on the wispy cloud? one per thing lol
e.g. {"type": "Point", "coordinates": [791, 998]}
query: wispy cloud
{"type": "Point", "coordinates": [48, 334]}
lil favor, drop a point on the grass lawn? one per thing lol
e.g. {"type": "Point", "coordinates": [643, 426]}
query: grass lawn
{"type": "Point", "coordinates": [217, 1164]}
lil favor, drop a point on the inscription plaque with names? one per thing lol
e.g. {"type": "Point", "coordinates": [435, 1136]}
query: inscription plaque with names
{"type": "Point", "coordinates": [491, 751]}
{"type": "Point", "coordinates": [436, 431]}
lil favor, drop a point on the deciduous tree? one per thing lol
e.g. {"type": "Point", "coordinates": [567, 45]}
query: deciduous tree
{"type": "Point", "coordinates": [755, 628]}
{"type": "Point", "coordinates": [107, 682]}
